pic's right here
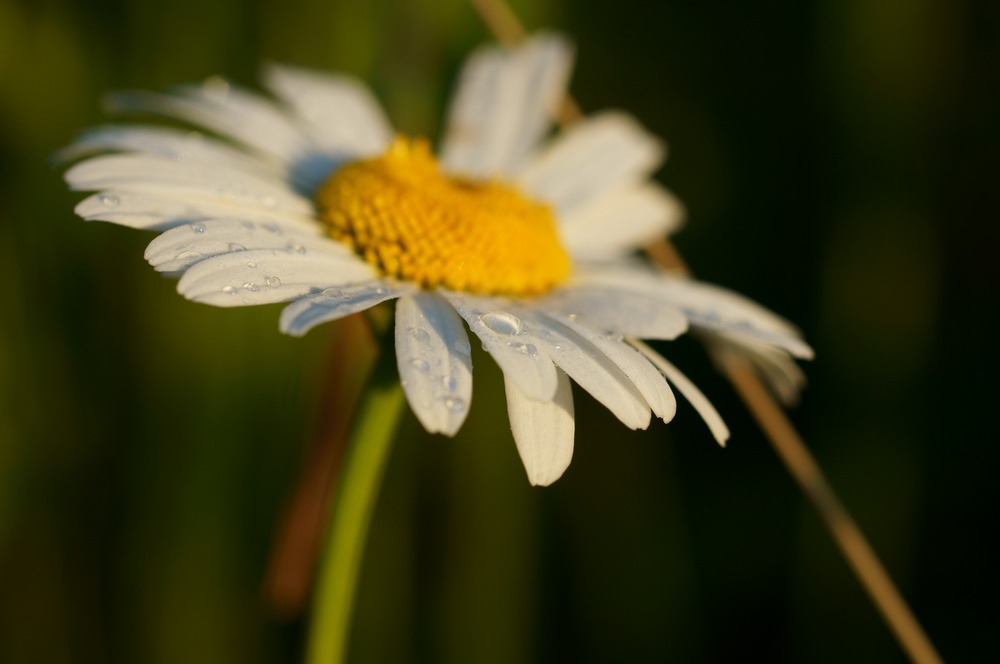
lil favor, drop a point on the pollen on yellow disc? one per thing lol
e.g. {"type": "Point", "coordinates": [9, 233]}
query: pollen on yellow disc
{"type": "Point", "coordinates": [403, 215]}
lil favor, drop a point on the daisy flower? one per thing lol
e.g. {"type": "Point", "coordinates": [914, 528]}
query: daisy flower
{"type": "Point", "coordinates": [527, 239]}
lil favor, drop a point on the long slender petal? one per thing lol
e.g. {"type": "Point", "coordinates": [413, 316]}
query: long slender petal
{"type": "Point", "coordinates": [503, 105]}
{"type": "Point", "coordinates": [264, 276]}
{"type": "Point", "coordinates": [617, 309]}
{"type": "Point", "coordinates": [159, 211]}
{"type": "Point", "coordinates": [307, 312]}
{"type": "Point", "coordinates": [435, 362]}
{"type": "Point", "coordinates": [227, 110]}
{"type": "Point", "coordinates": [586, 365]}
{"type": "Point", "coordinates": [180, 248]}
{"type": "Point", "coordinates": [543, 430]}
{"type": "Point", "coordinates": [694, 396]}
{"type": "Point", "coordinates": [133, 172]}
{"type": "Point", "coordinates": [591, 158]}
{"type": "Point", "coordinates": [704, 305]}
{"type": "Point", "coordinates": [176, 144]}
{"type": "Point", "coordinates": [621, 222]}
{"type": "Point", "coordinates": [339, 112]}
{"type": "Point", "coordinates": [647, 379]}
{"type": "Point", "coordinates": [526, 365]}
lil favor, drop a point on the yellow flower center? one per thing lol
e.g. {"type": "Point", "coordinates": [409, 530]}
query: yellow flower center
{"type": "Point", "coordinates": [403, 215]}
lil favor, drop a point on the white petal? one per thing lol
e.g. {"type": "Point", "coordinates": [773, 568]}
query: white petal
{"type": "Point", "coordinates": [227, 110]}
{"type": "Point", "coordinates": [181, 247]}
{"type": "Point", "coordinates": [543, 431]}
{"type": "Point", "coordinates": [593, 157]}
{"type": "Point", "coordinates": [706, 306]}
{"type": "Point", "coordinates": [160, 211]}
{"type": "Point", "coordinates": [503, 105]}
{"type": "Point", "coordinates": [338, 111]}
{"type": "Point", "coordinates": [777, 368]}
{"type": "Point", "coordinates": [621, 222]}
{"type": "Point", "coordinates": [307, 312]}
{"type": "Point", "coordinates": [647, 379]}
{"type": "Point", "coordinates": [586, 365]}
{"type": "Point", "coordinates": [694, 396]}
{"type": "Point", "coordinates": [617, 309]}
{"type": "Point", "coordinates": [526, 365]}
{"type": "Point", "coordinates": [165, 176]}
{"type": "Point", "coordinates": [174, 144]}
{"type": "Point", "coordinates": [264, 276]}
{"type": "Point", "coordinates": [435, 363]}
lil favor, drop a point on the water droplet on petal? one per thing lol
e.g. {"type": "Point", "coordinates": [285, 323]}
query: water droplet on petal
{"type": "Point", "coordinates": [502, 322]}
{"type": "Point", "coordinates": [251, 286]}
{"type": "Point", "coordinates": [295, 247]}
{"type": "Point", "coordinates": [463, 347]}
{"type": "Point", "coordinates": [272, 227]}
{"type": "Point", "coordinates": [454, 404]}
{"type": "Point", "coordinates": [252, 264]}
{"type": "Point", "coordinates": [333, 294]}
{"type": "Point", "coordinates": [524, 349]}
{"type": "Point", "coordinates": [216, 89]}
{"type": "Point", "coordinates": [197, 228]}
{"type": "Point", "coordinates": [272, 282]}
{"type": "Point", "coordinates": [109, 200]}
{"type": "Point", "coordinates": [233, 246]}
{"type": "Point", "coordinates": [449, 383]}
{"type": "Point", "coordinates": [420, 334]}
{"type": "Point", "coordinates": [420, 365]}
{"type": "Point", "coordinates": [230, 290]}
{"type": "Point", "coordinates": [572, 317]}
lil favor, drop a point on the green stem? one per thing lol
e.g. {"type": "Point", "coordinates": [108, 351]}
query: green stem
{"type": "Point", "coordinates": [351, 512]}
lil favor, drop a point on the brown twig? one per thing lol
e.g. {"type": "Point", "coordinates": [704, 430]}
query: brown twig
{"type": "Point", "coordinates": [774, 423]}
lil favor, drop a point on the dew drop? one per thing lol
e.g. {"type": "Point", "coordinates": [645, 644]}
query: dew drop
{"type": "Point", "coordinates": [252, 264]}
{"type": "Point", "coordinates": [216, 89]}
{"type": "Point", "coordinates": [230, 290]}
{"type": "Point", "coordinates": [233, 246]}
{"type": "Point", "coordinates": [272, 227]}
{"type": "Point", "coordinates": [295, 247]}
{"type": "Point", "coordinates": [109, 200]}
{"type": "Point", "coordinates": [572, 317]}
{"type": "Point", "coordinates": [333, 294]}
{"type": "Point", "coordinates": [251, 286]}
{"type": "Point", "coordinates": [272, 282]}
{"type": "Point", "coordinates": [463, 347]}
{"type": "Point", "coordinates": [454, 404]}
{"type": "Point", "coordinates": [420, 334]}
{"type": "Point", "coordinates": [197, 228]}
{"type": "Point", "coordinates": [420, 365]}
{"type": "Point", "coordinates": [502, 322]}
{"type": "Point", "coordinates": [449, 383]}
{"type": "Point", "coordinates": [524, 349]}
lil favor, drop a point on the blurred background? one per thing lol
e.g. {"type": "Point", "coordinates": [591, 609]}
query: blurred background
{"type": "Point", "coordinates": [838, 159]}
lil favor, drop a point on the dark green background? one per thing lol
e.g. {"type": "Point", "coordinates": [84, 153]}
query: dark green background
{"type": "Point", "coordinates": [838, 159]}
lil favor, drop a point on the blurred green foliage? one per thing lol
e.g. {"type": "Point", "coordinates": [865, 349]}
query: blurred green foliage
{"type": "Point", "coordinates": [838, 161]}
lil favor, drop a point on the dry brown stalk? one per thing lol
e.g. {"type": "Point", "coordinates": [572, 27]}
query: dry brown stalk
{"type": "Point", "coordinates": [773, 421]}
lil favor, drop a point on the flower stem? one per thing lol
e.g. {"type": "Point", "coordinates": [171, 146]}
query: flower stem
{"type": "Point", "coordinates": [351, 512]}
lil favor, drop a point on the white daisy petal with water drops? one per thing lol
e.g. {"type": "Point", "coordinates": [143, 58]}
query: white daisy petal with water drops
{"type": "Point", "coordinates": [526, 241]}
